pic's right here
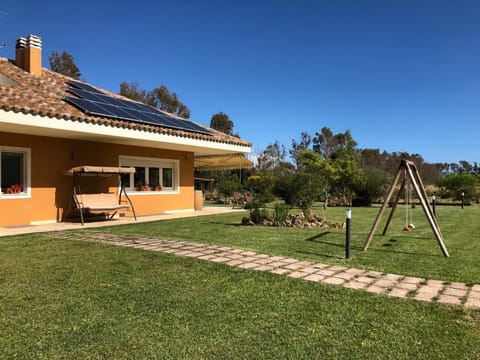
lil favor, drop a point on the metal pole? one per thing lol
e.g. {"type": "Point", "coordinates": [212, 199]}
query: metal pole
{"type": "Point", "coordinates": [463, 200]}
{"type": "Point", "coordinates": [348, 237]}
{"type": "Point", "coordinates": [433, 205]}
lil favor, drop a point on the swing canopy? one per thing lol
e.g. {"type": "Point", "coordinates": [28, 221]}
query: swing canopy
{"type": "Point", "coordinates": [97, 170]}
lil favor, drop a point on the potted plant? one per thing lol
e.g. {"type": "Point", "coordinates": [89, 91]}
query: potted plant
{"type": "Point", "coordinates": [156, 187]}
{"type": "Point", "coordinates": [15, 189]}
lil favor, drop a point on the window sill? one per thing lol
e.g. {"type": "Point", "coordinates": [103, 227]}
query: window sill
{"type": "Point", "coordinates": [15, 196]}
{"type": "Point", "coordinates": [163, 192]}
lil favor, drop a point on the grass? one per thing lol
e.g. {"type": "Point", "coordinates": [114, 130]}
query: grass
{"type": "Point", "coordinates": [72, 299]}
{"type": "Point", "coordinates": [68, 299]}
{"type": "Point", "coordinates": [415, 253]}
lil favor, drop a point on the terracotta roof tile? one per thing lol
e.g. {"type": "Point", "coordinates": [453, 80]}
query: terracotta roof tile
{"type": "Point", "coordinates": [44, 96]}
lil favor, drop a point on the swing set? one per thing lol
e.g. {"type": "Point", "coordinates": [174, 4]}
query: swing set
{"type": "Point", "coordinates": [411, 178]}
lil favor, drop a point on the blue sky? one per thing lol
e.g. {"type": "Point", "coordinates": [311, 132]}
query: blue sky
{"type": "Point", "coordinates": [401, 75]}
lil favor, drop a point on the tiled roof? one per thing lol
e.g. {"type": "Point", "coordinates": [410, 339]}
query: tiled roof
{"type": "Point", "coordinates": [43, 96]}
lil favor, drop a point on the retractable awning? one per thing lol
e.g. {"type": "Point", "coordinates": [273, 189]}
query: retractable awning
{"type": "Point", "coordinates": [222, 162]}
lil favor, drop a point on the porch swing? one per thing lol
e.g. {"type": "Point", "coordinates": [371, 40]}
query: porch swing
{"type": "Point", "coordinates": [100, 203]}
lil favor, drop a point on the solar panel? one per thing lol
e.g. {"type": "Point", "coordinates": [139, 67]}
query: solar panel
{"type": "Point", "coordinates": [94, 102]}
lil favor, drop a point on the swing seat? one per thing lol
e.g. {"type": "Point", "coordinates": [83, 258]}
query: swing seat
{"type": "Point", "coordinates": [406, 229]}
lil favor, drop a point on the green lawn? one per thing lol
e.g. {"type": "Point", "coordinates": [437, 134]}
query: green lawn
{"type": "Point", "coordinates": [74, 299]}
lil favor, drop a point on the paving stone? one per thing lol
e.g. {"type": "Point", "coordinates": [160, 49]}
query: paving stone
{"type": "Point", "coordinates": [454, 292]}
{"type": "Point", "coordinates": [249, 258]}
{"type": "Point", "coordinates": [458, 285]}
{"type": "Point", "coordinates": [393, 277]}
{"type": "Point", "coordinates": [277, 258]}
{"type": "Point", "coordinates": [472, 303]}
{"type": "Point", "coordinates": [376, 289]}
{"type": "Point", "coordinates": [474, 294]}
{"type": "Point", "coordinates": [207, 257]}
{"type": "Point", "coordinates": [320, 266]}
{"type": "Point", "coordinates": [237, 251]}
{"type": "Point", "coordinates": [248, 253]}
{"type": "Point", "coordinates": [333, 281]}
{"type": "Point", "coordinates": [263, 268]}
{"type": "Point", "coordinates": [173, 251]}
{"type": "Point", "coordinates": [373, 274]}
{"type": "Point", "coordinates": [412, 280]}
{"type": "Point", "coordinates": [424, 296]}
{"type": "Point", "coordinates": [220, 259]}
{"type": "Point", "coordinates": [355, 285]}
{"type": "Point", "coordinates": [435, 283]}
{"type": "Point", "coordinates": [398, 292]}
{"type": "Point", "coordinates": [277, 264]}
{"type": "Point", "coordinates": [225, 248]}
{"type": "Point", "coordinates": [235, 256]}
{"type": "Point", "coordinates": [433, 290]}
{"type": "Point", "coordinates": [280, 271]}
{"type": "Point", "coordinates": [294, 266]}
{"type": "Point", "coordinates": [262, 256]}
{"type": "Point", "coordinates": [447, 299]}
{"type": "Point", "coordinates": [337, 268]}
{"type": "Point", "coordinates": [263, 261]}
{"type": "Point", "coordinates": [290, 261]}
{"type": "Point", "coordinates": [406, 286]}
{"type": "Point", "coordinates": [314, 277]}
{"type": "Point", "coordinates": [194, 254]}
{"type": "Point", "coordinates": [248, 265]}
{"type": "Point", "coordinates": [476, 287]}
{"type": "Point", "coordinates": [234, 262]}
{"type": "Point", "coordinates": [385, 283]}
{"type": "Point", "coordinates": [365, 279]}
{"type": "Point", "coordinates": [356, 272]}
{"type": "Point", "coordinates": [309, 270]}
{"type": "Point", "coordinates": [297, 274]}
{"type": "Point", "coordinates": [345, 275]}
{"type": "Point", "coordinates": [325, 272]}
{"type": "Point", "coordinates": [209, 251]}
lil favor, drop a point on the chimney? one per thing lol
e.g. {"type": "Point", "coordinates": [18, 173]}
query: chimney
{"type": "Point", "coordinates": [28, 54]}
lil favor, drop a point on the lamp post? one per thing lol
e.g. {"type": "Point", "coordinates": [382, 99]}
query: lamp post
{"type": "Point", "coordinates": [463, 200]}
{"type": "Point", "coordinates": [348, 240]}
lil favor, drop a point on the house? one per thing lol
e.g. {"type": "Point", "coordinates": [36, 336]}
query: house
{"type": "Point", "coordinates": [50, 123]}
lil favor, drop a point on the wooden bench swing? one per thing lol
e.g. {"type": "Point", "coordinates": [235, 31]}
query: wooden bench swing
{"type": "Point", "coordinates": [100, 203]}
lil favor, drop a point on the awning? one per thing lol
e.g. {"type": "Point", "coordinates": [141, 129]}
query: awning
{"type": "Point", "coordinates": [222, 162]}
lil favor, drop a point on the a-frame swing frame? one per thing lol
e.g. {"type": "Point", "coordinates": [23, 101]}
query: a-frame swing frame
{"type": "Point", "coordinates": [409, 170]}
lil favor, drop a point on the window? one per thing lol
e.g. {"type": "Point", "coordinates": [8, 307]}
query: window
{"type": "Point", "coordinates": [14, 171]}
{"type": "Point", "coordinates": [151, 175]}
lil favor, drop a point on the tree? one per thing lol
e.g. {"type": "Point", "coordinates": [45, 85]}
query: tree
{"type": "Point", "coordinates": [63, 63]}
{"type": "Point", "coordinates": [272, 160]}
{"type": "Point", "coordinates": [453, 185]}
{"type": "Point", "coordinates": [222, 122]}
{"type": "Point", "coordinates": [303, 144]}
{"type": "Point", "coordinates": [169, 102]}
{"type": "Point", "coordinates": [159, 97]}
{"type": "Point", "coordinates": [133, 91]}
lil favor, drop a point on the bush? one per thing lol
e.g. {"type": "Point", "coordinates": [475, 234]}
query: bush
{"type": "Point", "coordinates": [280, 213]}
{"type": "Point", "coordinates": [228, 187]}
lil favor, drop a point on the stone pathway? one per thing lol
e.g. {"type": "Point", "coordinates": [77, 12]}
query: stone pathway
{"type": "Point", "coordinates": [454, 293]}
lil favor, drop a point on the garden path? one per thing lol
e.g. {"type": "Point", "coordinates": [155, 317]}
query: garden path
{"type": "Point", "coordinates": [451, 293]}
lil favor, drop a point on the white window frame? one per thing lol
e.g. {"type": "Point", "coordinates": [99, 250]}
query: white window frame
{"type": "Point", "coordinates": [27, 169]}
{"type": "Point", "coordinates": [149, 162]}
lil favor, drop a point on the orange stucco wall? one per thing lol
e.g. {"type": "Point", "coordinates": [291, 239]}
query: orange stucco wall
{"type": "Point", "coordinates": [51, 189]}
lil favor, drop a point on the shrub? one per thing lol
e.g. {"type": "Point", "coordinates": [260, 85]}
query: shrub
{"type": "Point", "coordinates": [228, 187]}
{"type": "Point", "coordinates": [280, 213]}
